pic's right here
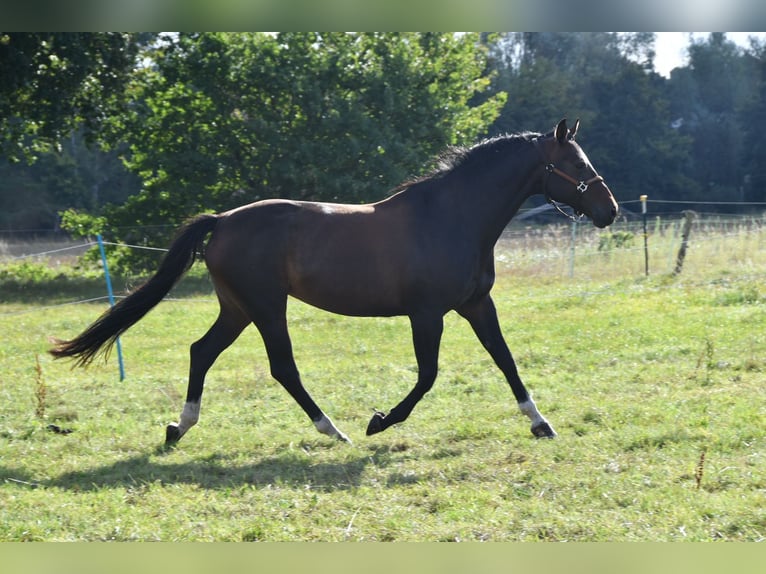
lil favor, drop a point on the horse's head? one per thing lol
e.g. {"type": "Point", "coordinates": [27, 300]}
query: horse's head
{"type": "Point", "coordinates": [570, 178]}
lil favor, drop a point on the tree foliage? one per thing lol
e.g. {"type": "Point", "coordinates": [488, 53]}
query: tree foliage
{"type": "Point", "coordinates": [754, 132]}
{"type": "Point", "coordinates": [75, 176]}
{"type": "Point", "coordinates": [710, 98]}
{"type": "Point", "coordinates": [220, 120]}
{"type": "Point", "coordinates": [608, 81]}
{"type": "Point", "coordinates": [52, 83]}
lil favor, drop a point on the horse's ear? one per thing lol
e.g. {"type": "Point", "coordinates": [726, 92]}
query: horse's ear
{"type": "Point", "coordinates": [573, 131]}
{"type": "Point", "coordinates": [561, 131]}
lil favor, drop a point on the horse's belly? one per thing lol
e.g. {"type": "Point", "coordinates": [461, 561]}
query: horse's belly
{"type": "Point", "coordinates": [350, 292]}
{"type": "Point", "coordinates": [351, 304]}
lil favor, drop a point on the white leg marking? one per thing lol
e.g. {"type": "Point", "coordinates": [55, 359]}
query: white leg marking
{"type": "Point", "coordinates": [326, 426]}
{"type": "Point", "coordinates": [540, 426]}
{"type": "Point", "coordinates": [189, 417]}
{"type": "Point", "coordinates": [529, 408]}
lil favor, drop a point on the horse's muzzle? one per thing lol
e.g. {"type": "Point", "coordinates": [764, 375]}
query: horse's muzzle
{"type": "Point", "coordinates": [602, 207]}
{"type": "Point", "coordinates": [603, 217]}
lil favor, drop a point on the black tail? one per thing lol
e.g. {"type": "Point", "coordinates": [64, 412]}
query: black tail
{"type": "Point", "coordinates": [103, 333]}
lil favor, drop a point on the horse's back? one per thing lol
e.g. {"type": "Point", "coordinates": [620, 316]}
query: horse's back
{"type": "Point", "coordinates": [377, 259]}
{"type": "Point", "coordinates": [354, 260]}
{"type": "Point", "coordinates": [343, 258]}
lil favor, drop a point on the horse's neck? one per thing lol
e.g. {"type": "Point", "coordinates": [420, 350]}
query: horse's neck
{"type": "Point", "coordinates": [497, 195]}
{"type": "Point", "coordinates": [478, 206]}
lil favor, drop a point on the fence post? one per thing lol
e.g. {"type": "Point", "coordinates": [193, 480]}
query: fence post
{"type": "Point", "coordinates": [643, 199]}
{"type": "Point", "coordinates": [111, 300]}
{"type": "Point", "coordinates": [689, 215]}
{"type": "Point", "coordinates": [572, 248]}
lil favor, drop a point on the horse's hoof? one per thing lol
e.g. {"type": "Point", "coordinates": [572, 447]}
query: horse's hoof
{"type": "Point", "coordinates": [376, 423]}
{"type": "Point", "coordinates": [172, 434]}
{"type": "Point", "coordinates": [543, 430]}
{"type": "Point", "coordinates": [343, 438]}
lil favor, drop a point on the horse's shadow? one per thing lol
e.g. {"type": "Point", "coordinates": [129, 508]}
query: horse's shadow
{"type": "Point", "coordinates": [215, 472]}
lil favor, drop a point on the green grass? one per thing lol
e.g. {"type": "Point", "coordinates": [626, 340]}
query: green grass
{"type": "Point", "coordinates": [640, 377]}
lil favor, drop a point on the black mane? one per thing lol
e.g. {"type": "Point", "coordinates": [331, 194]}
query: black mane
{"type": "Point", "coordinates": [455, 158]}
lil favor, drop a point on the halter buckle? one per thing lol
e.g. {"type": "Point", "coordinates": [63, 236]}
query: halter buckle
{"type": "Point", "coordinates": [582, 187]}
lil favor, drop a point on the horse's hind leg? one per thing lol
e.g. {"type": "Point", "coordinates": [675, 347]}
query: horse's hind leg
{"type": "Point", "coordinates": [483, 318]}
{"type": "Point", "coordinates": [426, 338]}
{"type": "Point", "coordinates": [283, 368]}
{"type": "Point", "coordinates": [203, 354]}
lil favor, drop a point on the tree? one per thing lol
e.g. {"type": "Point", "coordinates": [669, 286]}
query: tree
{"type": "Point", "coordinates": [550, 75]}
{"type": "Point", "coordinates": [632, 135]}
{"type": "Point", "coordinates": [753, 120]}
{"type": "Point", "coordinates": [52, 83]}
{"type": "Point", "coordinates": [75, 176]}
{"type": "Point", "coordinates": [708, 99]}
{"type": "Point", "coordinates": [219, 120]}
{"type": "Point", "coordinates": [608, 81]}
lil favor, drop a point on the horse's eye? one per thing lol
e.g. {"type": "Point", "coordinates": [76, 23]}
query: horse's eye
{"type": "Point", "coordinates": [580, 165]}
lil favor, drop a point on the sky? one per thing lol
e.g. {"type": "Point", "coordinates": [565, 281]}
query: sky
{"type": "Point", "coordinates": [670, 47]}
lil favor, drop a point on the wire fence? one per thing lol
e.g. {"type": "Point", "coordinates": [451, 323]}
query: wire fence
{"type": "Point", "coordinates": [576, 250]}
{"type": "Point", "coordinates": [79, 248]}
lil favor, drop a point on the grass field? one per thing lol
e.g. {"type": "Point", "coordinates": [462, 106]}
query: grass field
{"type": "Point", "coordinates": [655, 385]}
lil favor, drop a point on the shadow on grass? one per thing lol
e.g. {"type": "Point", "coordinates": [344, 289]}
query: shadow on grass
{"type": "Point", "coordinates": [18, 477]}
{"type": "Point", "coordinates": [293, 469]}
{"type": "Point", "coordinates": [217, 472]}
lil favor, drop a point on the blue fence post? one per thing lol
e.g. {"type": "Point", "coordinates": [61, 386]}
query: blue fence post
{"type": "Point", "coordinates": [111, 300]}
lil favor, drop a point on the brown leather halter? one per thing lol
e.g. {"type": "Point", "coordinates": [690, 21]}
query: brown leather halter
{"type": "Point", "coordinates": [581, 186]}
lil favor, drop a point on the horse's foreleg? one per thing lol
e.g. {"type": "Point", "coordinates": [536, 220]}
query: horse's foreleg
{"type": "Point", "coordinates": [203, 354]}
{"type": "Point", "coordinates": [284, 370]}
{"type": "Point", "coordinates": [426, 338]}
{"type": "Point", "coordinates": [483, 319]}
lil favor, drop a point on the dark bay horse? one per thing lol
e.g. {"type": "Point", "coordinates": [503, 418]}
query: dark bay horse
{"type": "Point", "coordinates": [424, 251]}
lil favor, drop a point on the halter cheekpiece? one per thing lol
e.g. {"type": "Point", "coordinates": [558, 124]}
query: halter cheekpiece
{"type": "Point", "coordinates": [580, 185]}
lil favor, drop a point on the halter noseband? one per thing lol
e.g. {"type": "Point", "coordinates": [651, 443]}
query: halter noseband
{"type": "Point", "coordinates": [581, 186]}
